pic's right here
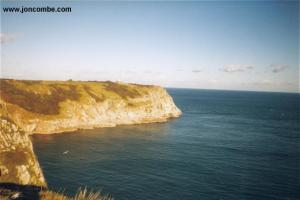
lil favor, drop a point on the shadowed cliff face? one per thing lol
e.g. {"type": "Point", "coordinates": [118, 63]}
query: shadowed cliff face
{"type": "Point", "coordinates": [20, 174]}
{"type": "Point", "coordinates": [58, 106]}
{"type": "Point", "coordinates": [18, 163]}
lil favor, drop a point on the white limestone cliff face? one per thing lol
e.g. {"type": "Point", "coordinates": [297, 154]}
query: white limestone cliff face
{"type": "Point", "coordinates": [154, 105]}
{"type": "Point", "coordinates": [18, 164]}
{"type": "Point", "coordinates": [28, 107]}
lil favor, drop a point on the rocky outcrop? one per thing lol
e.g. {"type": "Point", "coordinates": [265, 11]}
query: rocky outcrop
{"type": "Point", "coordinates": [18, 163]}
{"type": "Point", "coordinates": [28, 107]}
{"type": "Point", "coordinates": [57, 106]}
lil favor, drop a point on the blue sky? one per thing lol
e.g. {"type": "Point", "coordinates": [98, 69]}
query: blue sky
{"type": "Point", "coordinates": [214, 45]}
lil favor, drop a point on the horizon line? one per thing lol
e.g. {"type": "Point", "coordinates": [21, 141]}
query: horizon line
{"type": "Point", "coordinates": [167, 87]}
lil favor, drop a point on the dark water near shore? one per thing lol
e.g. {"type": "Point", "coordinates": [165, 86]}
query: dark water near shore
{"type": "Point", "coordinates": [227, 145]}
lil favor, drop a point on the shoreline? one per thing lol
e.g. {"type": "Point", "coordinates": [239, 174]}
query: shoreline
{"type": "Point", "coordinates": [99, 127]}
{"type": "Point", "coordinates": [49, 107]}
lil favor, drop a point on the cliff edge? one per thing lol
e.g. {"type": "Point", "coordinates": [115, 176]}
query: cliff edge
{"type": "Point", "coordinates": [57, 106]}
{"type": "Point", "coordinates": [28, 107]}
{"type": "Point", "coordinates": [18, 164]}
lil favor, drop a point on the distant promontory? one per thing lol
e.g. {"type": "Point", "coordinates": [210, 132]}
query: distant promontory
{"type": "Point", "coordinates": [57, 106]}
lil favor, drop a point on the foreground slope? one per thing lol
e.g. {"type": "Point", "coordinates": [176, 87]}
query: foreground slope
{"type": "Point", "coordinates": [58, 106]}
{"type": "Point", "coordinates": [18, 163]}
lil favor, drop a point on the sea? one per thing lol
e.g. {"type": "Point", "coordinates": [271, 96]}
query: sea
{"type": "Point", "coordinates": [231, 145]}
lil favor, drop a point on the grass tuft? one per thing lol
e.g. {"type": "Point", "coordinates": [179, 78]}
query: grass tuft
{"type": "Point", "coordinates": [50, 195]}
{"type": "Point", "coordinates": [82, 194]}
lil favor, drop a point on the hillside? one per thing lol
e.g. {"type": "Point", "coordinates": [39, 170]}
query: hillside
{"type": "Point", "coordinates": [28, 107]}
{"type": "Point", "coordinates": [57, 106]}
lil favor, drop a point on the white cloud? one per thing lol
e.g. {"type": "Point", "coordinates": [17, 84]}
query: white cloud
{"type": "Point", "coordinates": [237, 68]}
{"type": "Point", "coordinates": [8, 37]}
{"type": "Point", "coordinates": [196, 71]}
{"type": "Point", "coordinates": [276, 68]}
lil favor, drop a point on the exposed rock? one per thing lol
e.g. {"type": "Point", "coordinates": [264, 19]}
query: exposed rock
{"type": "Point", "coordinates": [18, 163]}
{"type": "Point", "coordinates": [28, 107]}
{"type": "Point", "coordinates": [51, 107]}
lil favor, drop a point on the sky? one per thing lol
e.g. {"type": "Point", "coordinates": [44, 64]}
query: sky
{"type": "Point", "coordinates": [231, 45]}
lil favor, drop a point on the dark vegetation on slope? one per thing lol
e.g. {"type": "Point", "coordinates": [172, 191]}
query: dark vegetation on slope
{"type": "Point", "coordinates": [98, 97]}
{"type": "Point", "coordinates": [47, 104]}
{"type": "Point", "coordinates": [121, 90]}
{"type": "Point", "coordinates": [45, 100]}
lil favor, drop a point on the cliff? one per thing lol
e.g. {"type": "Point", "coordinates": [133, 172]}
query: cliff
{"type": "Point", "coordinates": [20, 174]}
{"type": "Point", "coordinates": [28, 107]}
{"type": "Point", "coordinates": [18, 164]}
{"type": "Point", "coordinates": [57, 106]}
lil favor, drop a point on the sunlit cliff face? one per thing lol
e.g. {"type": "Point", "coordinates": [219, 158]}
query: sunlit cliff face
{"type": "Point", "coordinates": [58, 106]}
{"type": "Point", "coordinates": [28, 107]}
{"type": "Point", "coordinates": [18, 163]}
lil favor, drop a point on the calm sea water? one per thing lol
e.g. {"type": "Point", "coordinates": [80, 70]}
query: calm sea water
{"type": "Point", "coordinates": [227, 145]}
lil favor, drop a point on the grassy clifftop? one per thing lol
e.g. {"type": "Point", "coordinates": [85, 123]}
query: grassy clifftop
{"type": "Point", "coordinates": [58, 106]}
{"type": "Point", "coordinates": [44, 97]}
